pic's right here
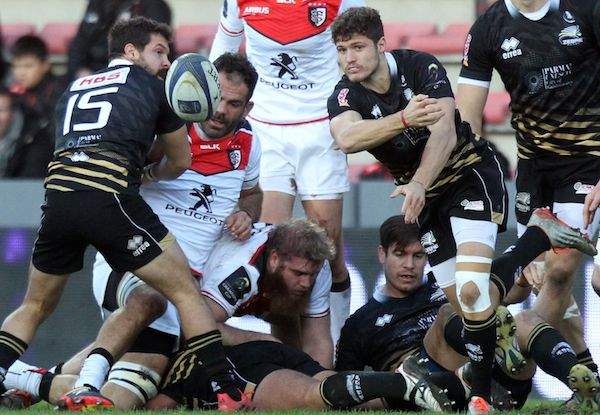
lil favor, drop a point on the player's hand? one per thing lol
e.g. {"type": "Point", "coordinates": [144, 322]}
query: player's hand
{"type": "Point", "coordinates": [421, 111]}
{"type": "Point", "coordinates": [591, 203]}
{"type": "Point", "coordinates": [414, 200]}
{"type": "Point", "coordinates": [239, 225]}
{"type": "Point", "coordinates": [535, 273]}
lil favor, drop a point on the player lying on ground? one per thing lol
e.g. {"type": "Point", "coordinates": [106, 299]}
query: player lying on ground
{"type": "Point", "coordinates": [409, 315]}
{"type": "Point", "coordinates": [272, 275]}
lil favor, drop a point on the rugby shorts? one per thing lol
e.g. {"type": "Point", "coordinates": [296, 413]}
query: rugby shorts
{"type": "Point", "coordinates": [122, 227]}
{"type": "Point", "coordinates": [301, 160]}
{"type": "Point", "coordinates": [479, 194]}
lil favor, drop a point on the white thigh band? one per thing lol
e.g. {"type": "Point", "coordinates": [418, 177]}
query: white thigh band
{"type": "Point", "coordinates": [468, 230]}
{"type": "Point", "coordinates": [444, 273]}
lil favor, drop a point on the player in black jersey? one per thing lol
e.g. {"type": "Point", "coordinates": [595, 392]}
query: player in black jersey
{"type": "Point", "coordinates": [547, 54]}
{"type": "Point", "coordinates": [106, 123]}
{"type": "Point", "coordinates": [399, 106]}
{"type": "Point", "coordinates": [408, 316]}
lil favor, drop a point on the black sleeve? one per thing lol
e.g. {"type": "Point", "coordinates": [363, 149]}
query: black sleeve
{"type": "Point", "coordinates": [349, 349]}
{"type": "Point", "coordinates": [90, 28]}
{"type": "Point", "coordinates": [167, 121]}
{"type": "Point", "coordinates": [591, 15]}
{"type": "Point", "coordinates": [477, 63]}
{"type": "Point", "coordinates": [341, 100]}
{"type": "Point", "coordinates": [429, 76]}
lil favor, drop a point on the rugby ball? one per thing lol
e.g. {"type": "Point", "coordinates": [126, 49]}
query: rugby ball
{"type": "Point", "coordinates": [192, 87]}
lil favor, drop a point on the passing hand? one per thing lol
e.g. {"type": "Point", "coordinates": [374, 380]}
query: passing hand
{"type": "Point", "coordinates": [421, 111]}
{"type": "Point", "coordinates": [414, 200]}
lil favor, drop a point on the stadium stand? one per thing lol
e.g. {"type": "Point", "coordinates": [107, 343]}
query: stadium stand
{"type": "Point", "coordinates": [58, 36]}
{"type": "Point", "coordinates": [192, 38]}
{"type": "Point", "coordinates": [12, 31]}
{"type": "Point", "coordinates": [397, 33]}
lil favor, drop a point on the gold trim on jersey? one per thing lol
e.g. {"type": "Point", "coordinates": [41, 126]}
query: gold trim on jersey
{"type": "Point", "coordinates": [85, 182]}
{"type": "Point", "coordinates": [59, 188]}
{"type": "Point", "coordinates": [87, 172]}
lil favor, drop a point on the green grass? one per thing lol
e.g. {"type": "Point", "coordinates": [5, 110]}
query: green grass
{"type": "Point", "coordinates": [533, 407]}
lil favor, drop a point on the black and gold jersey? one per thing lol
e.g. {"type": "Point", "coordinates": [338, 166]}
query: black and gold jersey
{"type": "Point", "coordinates": [412, 73]}
{"type": "Point", "coordinates": [386, 329]}
{"type": "Point", "coordinates": [550, 64]}
{"type": "Point", "coordinates": [105, 125]}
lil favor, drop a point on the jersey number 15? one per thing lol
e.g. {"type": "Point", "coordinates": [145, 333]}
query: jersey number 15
{"type": "Point", "coordinates": [83, 103]}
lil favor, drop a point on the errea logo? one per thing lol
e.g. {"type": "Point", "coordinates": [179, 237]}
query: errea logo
{"type": "Point", "coordinates": [383, 320]}
{"type": "Point", "coordinates": [137, 245]}
{"type": "Point", "coordinates": [509, 46]}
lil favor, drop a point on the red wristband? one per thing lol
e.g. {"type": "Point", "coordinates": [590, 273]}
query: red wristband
{"type": "Point", "coordinates": [404, 122]}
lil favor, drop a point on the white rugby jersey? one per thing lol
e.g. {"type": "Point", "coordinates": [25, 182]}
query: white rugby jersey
{"type": "Point", "coordinates": [194, 206]}
{"type": "Point", "coordinates": [289, 43]}
{"type": "Point", "coordinates": [233, 270]}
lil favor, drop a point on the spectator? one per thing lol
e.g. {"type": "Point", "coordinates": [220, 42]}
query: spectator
{"type": "Point", "coordinates": [36, 87]}
{"type": "Point", "coordinates": [25, 149]}
{"type": "Point", "coordinates": [89, 50]}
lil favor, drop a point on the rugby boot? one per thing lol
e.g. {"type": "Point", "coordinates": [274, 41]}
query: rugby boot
{"type": "Point", "coordinates": [479, 406]}
{"type": "Point", "coordinates": [419, 389]}
{"type": "Point", "coordinates": [585, 387]}
{"type": "Point", "coordinates": [508, 356]}
{"type": "Point", "coordinates": [560, 234]}
{"type": "Point", "coordinates": [225, 403]}
{"type": "Point", "coordinates": [16, 399]}
{"type": "Point", "coordinates": [501, 398]}
{"type": "Point", "coordinates": [83, 399]}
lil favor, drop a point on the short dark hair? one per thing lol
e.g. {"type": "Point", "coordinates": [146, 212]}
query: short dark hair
{"type": "Point", "coordinates": [30, 45]}
{"type": "Point", "coordinates": [301, 238]}
{"type": "Point", "coordinates": [235, 63]}
{"type": "Point", "coordinates": [136, 31]}
{"type": "Point", "coordinates": [357, 21]}
{"type": "Point", "coordinates": [396, 231]}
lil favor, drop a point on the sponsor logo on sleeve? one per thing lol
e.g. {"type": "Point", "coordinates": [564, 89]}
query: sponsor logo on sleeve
{"type": "Point", "coordinates": [343, 97]}
{"type": "Point", "coordinates": [234, 287]}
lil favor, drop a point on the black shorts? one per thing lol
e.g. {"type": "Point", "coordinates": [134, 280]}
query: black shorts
{"type": "Point", "coordinates": [255, 360]}
{"type": "Point", "coordinates": [545, 180]}
{"type": "Point", "coordinates": [122, 227]}
{"type": "Point", "coordinates": [479, 195]}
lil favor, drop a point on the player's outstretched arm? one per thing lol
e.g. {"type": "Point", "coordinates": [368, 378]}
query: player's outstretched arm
{"type": "Point", "coordinates": [316, 339]}
{"type": "Point", "coordinates": [177, 157]}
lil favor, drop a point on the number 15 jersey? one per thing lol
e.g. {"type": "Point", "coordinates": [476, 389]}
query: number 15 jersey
{"type": "Point", "coordinates": [105, 125]}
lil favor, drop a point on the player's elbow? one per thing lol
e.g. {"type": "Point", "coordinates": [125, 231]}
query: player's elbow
{"type": "Point", "coordinates": [346, 143]}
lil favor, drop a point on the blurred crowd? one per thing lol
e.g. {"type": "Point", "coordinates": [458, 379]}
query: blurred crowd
{"type": "Point", "coordinates": [29, 89]}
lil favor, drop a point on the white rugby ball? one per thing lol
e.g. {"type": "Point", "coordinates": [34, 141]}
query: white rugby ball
{"type": "Point", "coordinates": [192, 87]}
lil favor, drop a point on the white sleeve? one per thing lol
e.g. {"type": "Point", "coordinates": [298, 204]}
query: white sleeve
{"type": "Point", "coordinates": [346, 4]}
{"type": "Point", "coordinates": [230, 31]}
{"type": "Point", "coordinates": [318, 304]}
{"type": "Point", "coordinates": [252, 170]}
{"type": "Point", "coordinates": [230, 286]}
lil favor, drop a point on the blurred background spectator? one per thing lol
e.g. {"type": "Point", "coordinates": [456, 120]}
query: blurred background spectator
{"type": "Point", "coordinates": [89, 49]}
{"type": "Point", "coordinates": [26, 145]}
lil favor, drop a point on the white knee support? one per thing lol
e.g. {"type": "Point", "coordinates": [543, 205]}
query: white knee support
{"type": "Point", "coordinates": [138, 379]}
{"type": "Point", "coordinates": [480, 279]}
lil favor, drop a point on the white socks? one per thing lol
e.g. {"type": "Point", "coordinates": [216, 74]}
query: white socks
{"type": "Point", "coordinates": [94, 371]}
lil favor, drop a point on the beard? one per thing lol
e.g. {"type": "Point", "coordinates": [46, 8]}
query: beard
{"type": "Point", "coordinates": [284, 304]}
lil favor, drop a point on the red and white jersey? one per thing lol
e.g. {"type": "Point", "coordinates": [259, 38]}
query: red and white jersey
{"type": "Point", "coordinates": [194, 206]}
{"type": "Point", "coordinates": [289, 43]}
{"type": "Point", "coordinates": [232, 277]}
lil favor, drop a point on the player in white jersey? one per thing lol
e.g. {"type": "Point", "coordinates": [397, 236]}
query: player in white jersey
{"type": "Point", "coordinates": [289, 43]}
{"type": "Point", "coordinates": [195, 207]}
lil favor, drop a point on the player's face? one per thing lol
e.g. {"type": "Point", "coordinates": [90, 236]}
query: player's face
{"type": "Point", "coordinates": [298, 275]}
{"type": "Point", "coordinates": [403, 268]}
{"type": "Point", "coordinates": [359, 57]}
{"type": "Point", "coordinates": [28, 70]}
{"type": "Point", "coordinates": [5, 114]}
{"type": "Point", "coordinates": [154, 58]}
{"type": "Point", "coordinates": [233, 107]}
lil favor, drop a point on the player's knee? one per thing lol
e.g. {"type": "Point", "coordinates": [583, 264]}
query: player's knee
{"type": "Point", "coordinates": [473, 291]}
{"type": "Point", "coordinates": [560, 273]}
{"type": "Point", "coordinates": [469, 294]}
{"type": "Point", "coordinates": [146, 303]}
{"type": "Point", "coordinates": [39, 308]}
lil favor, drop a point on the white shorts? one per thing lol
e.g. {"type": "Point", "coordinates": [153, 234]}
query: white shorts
{"type": "Point", "coordinates": [301, 159]}
{"type": "Point", "coordinates": [110, 296]}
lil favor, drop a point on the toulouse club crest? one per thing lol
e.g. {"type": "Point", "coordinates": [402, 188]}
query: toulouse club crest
{"type": "Point", "coordinates": [317, 15]}
{"type": "Point", "coordinates": [235, 158]}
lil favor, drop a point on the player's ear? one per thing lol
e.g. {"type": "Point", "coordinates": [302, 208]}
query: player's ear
{"type": "Point", "coordinates": [273, 260]}
{"type": "Point", "coordinates": [249, 106]}
{"type": "Point", "coordinates": [381, 254]}
{"type": "Point", "coordinates": [381, 45]}
{"type": "Point", "coordinates": [130, 52]}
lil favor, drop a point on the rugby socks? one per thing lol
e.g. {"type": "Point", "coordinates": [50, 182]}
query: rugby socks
{"type": "Point", "coordinates": [339, 305]}
{"type": "Point", "coordinates": [453, 334]}
{"type": "Point", "coordinates": [456, 391]}
{"type": "Point", "coordinates": [585, 358]}
{"type": "Point", "coordinates": [45, 385]}
{"type": "Point", "coordinates": [347, 389]}
{"type": "Point", "coordinates": [519, 389]}
{"type": "Point", "coordinates": [480, 342]}
{"type": "Point", "coordinates": [95, 368]}
{"type": "Point", "coordinates": [551, 352]}
{"type": "Point", "coordinates": [531, 244]}
{"type": "Point", "coordinates": [11, 348]}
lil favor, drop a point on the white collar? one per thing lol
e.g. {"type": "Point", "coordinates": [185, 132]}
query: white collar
{"type": "Point", "coordinates": [392, 65]}
{"type": "Point", "coordinates": [119, 62]}
{"type": "Point", "coordinates": [535, 16]}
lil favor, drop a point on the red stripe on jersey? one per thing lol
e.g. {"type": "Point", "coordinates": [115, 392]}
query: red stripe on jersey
{"type": "Point", "coordinates": [218, 156]}
{"type": "Point", "coordinates": [230, 32]}
{"type": "Point", "coordinates": [289, 21]}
